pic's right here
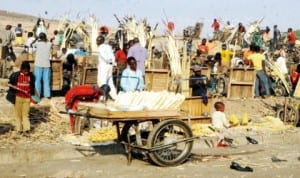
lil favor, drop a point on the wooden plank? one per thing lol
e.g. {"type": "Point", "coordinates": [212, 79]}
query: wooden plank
{"type": "Point", "coordinates": [241, 83]}
{"type": "Point", "coordinates": [89, 75]}
{"type": "Point", "coordinates": [195, 107]}
{"type": "Point", "coordinates": [157, 79]}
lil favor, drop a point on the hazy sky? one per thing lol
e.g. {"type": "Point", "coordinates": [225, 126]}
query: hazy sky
{"type": "Point", "coordinates": [285, 13]}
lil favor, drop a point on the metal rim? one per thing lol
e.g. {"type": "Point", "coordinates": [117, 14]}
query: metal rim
{"type": "Point", "coordinates": [166, 133]}
{"type": "Point", "coordinates": [292, 116]}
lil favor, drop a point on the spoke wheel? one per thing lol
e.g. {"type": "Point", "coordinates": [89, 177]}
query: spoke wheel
{"type": "Point", "coordinates": [292, 115]}
{"type": "Point", "coordinates": [221, 86]}
{"type": "Point", "coordinates": [166, 133]}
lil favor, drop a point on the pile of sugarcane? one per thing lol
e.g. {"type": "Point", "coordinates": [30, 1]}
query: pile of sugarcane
{"type": "Point", "coordinates": [150, 100]}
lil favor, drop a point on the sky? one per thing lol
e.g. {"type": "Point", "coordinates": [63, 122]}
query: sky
{"type": "Point", "coordinates": [284, 13]}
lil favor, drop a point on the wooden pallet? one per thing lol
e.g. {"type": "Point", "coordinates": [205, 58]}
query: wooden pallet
{"type": "Point", "coordinates": [157, 79]}
{"type": "Point", "coordinates": [241, 83]}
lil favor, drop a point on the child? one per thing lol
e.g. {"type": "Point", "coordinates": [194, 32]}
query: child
{"type": "Point", "coordinates": [24, 80]}
{"type": "Point", "coordinates": [220, 122]}
{"type": "Point", "coordinates": [219, 119]}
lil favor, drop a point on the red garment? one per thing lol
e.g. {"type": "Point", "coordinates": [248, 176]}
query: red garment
{"type": "Point", "coordinates": [292, 37]}
{"type": "Point", "coordinates": [171, 26]}
{"type": "Point", "coordinates": [87, 93]}
{"type": "Point", "coordinates": [216, 25]}
{"type": "Point", "coordinates": [203, 49]}
{"type": "Point", "coordinates": [121, 56]}
{"type": "Point", "coordinates": [294, 78]}
{"type": "Point", "coordinates": [23, 84]}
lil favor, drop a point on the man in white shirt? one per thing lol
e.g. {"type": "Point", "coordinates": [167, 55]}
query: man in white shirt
{"type": "Point", "coordinates": [280, 62]}
{"type": "Point", "coordinates": [106, 62]}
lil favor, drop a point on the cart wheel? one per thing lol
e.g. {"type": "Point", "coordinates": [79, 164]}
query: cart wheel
{"type": "Point", "coordinates": [292, 116]}
{"type": "Point", "coordinates": [221, 86]}
{"type": "Point", "coordinates": [167, 132]}
{"type": "Point", "coordinates": [280, 90]}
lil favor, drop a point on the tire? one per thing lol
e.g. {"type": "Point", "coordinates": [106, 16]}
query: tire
{"type": "Point", "coordinates": [221, 86]}
{"type": "Point", "coordinates": [292, 115]}
{"type": "Point", "coordinates": [279, 89]}
{"type": "Point", "coordinates": [166, 132]}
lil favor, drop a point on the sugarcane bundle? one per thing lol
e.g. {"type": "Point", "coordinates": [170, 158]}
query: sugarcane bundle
{"type": "Point", "coordinates": [94, 34]}
{"type": "Point", "coordinates": [171, 49]}
{"type": "Point", "coordinates": [104, 134]}
{"type": "Point", "coordinates": [136, 29]}
{"type": "Point", "coordinates": [150, 100]}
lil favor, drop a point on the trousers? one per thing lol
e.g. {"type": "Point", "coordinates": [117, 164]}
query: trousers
{"type": "Point", "coordinates": [22, 107]}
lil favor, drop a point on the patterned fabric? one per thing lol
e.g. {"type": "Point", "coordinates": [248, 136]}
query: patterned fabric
{"type": "Point", "coordinates": [24, 85]}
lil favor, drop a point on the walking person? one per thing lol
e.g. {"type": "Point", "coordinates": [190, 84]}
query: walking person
{"type": "Point", "coordinates": [42, 66]}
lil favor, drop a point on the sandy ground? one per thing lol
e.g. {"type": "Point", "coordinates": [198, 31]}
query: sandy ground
{"type": "Point", "coordinates": [44, 154]}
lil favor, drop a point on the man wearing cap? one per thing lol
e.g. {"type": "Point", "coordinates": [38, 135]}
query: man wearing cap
{"type": "Point", "coordinates": [198, 83]}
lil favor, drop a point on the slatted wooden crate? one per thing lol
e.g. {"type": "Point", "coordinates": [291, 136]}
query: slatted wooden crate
{"type": "Point", "coordinates": [89, 76]}
{"type": "Point", "coordinates": [156, 79]}
{"type": "Point", "coordinates": [198, 111]}
{"type": "Point", "coordinates": [241, 83]}
{"type": "Point", "coordinates": [56, 75]}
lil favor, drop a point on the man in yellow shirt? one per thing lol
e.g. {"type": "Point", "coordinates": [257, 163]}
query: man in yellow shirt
{"type": "Point", "coordinates": [257, 60]}
{"type": "Point", "coordinates": [226, 56]}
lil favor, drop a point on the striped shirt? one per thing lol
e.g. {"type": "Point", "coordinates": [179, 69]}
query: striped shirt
{"type": "Point", "coordinates": [23, 84]}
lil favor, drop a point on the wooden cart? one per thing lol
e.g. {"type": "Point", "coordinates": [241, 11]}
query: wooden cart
{"type": "Point", "coordinates": [167, 139]}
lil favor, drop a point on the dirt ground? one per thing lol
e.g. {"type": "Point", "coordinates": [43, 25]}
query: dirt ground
{"type": "Point", "coordinates": [45, 155]}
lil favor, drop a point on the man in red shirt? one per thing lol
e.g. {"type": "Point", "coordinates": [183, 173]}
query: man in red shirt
{"type": "Point", "coordinates": [121, 59]}
{"type": "Point", "coordinates": [21, 88]}
{"type": "Point", "coordinates": [291, 38]}
{"type": "Point", "coordinates": [86, 93]}
{"type": "Point", "coordinates": [215, 25]}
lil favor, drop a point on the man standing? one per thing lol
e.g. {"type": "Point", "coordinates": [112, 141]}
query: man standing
{"type": "Point", "coordinates": [21, 88]}
{"type": "Point", "coordinates": [257, 60]}
{"type": "Point", "coordinates": [216, 26]}
{"type": "Point", "coordinates": [291, 39]}
{"type": "Point", "coordinates": [276, 36]}
{"type": "Point", "coordinates": [140, 53]}
{"type": "Point", "coordinates": [42, 66]}
{"type": "Point", "coordinates": [106, 62]}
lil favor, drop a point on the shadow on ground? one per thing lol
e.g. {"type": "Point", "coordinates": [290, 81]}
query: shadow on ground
{"type": "Point", "coordinates": [5, 127]}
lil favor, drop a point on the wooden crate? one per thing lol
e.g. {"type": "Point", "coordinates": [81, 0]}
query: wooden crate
{"type": "Point", "coordinates": [197, 109]}
{"type": "Point", "coordinates": [89, 76]}
{"type": "Point", "coordinates": [156, 79]}
{"type": "Point", "coordinates": [56, 75]}
{"type": "Point", "coordinates": [241, 83]}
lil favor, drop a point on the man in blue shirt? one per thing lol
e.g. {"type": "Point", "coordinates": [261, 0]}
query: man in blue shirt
{"type": "Point", "coordinates": [132, 77]}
